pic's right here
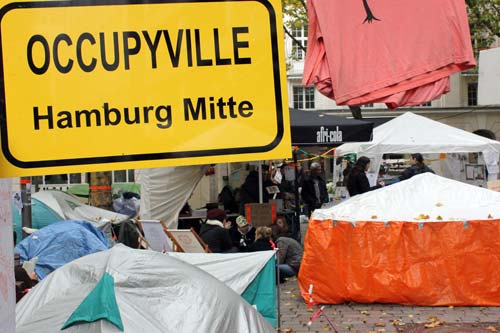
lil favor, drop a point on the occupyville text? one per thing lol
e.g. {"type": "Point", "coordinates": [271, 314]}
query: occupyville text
{"type": "Point", "coordinates": [114, 50]}
{"type": "Point", "coordinates": [195, 109]}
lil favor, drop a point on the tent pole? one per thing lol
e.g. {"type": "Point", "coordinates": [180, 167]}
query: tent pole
{"type": "Point", "coordinates": [296, 218]}
{"type": "Point", "coordinates": [334, 185]}
{"type": "Point", "coordinates": [278, 302]}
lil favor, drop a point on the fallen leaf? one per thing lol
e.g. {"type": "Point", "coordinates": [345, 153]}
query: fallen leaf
{"type": "Point", "coordinates": [288, 330]}
{"type": "Point", "coordinates": [374, 217]}
{"type": "Point", "coordinates": [288, 292]}
{"type": "Point", "coordinates": [410, 316]}
{"type": "Point", "coordinates": [294, 295]}
{"type": "Point", "coordinates": [491, 329]}
{"type": "Point", "coordinates": [379, 324]}
{"type": "Point", "coordinates": [381, 330]}
{"type": "Point", "coordinates": [434, 324]}
{"type": "Point", "coordinates": [310, 310]}
{"type": "Point", "coordinates": [451, 307]}
{"type": "Point", "coordinates": [326, 328]}
{"type": "Point", "coordinates": [364, 312]}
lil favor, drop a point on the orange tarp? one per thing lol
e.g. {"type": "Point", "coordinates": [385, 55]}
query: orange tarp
{"type": "Point", "coordinates": [438, 263]}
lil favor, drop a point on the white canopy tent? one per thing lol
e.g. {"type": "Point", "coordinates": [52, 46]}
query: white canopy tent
{"type": "Point", "coordinates": [411, 133]}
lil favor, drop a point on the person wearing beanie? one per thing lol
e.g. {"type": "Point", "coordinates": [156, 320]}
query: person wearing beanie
{"type": "Point", "coordinates": [242, 234]}
{"type": "Point", "coordinates": [215, 233]}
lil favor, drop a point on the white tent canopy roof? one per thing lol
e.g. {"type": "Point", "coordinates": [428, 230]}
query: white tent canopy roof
{"type": "Point", "coordinates": [423, 195]}
{"type": "Point", "coordinates": [411, 133]}
{"type": "Point", "coordinates": [154, 293]}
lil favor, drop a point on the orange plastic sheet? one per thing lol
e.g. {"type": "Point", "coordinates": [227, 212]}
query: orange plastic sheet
{"type": "Point", "coordinates": [431, 263]}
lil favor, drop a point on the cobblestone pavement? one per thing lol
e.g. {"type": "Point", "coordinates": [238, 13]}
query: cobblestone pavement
{"type": "Point", "coordinates": [374, 318]}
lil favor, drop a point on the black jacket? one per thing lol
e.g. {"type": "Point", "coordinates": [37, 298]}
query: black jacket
{"type": "Point", "coordinates": [308, 192]}
{"type": "Point", "coordinates": [217, 238]}
{"type": "Point", "coordinates": [261, 244]}
{"type": "Point", "coordinates": [415, 169]}
{"type": "Point", "coordinates": [357, 182]}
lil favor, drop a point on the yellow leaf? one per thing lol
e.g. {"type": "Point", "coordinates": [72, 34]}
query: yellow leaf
{"type": "Point", "coordinates": [381, 330]}
{"type": "Point", "coordinates": [380, 324]}
{"type": "Point", "coordinates": [310, 310]}
{"type": "Point", "coordinates": [294, 295]}
{"type": "Point", "coordinates": [410, 316]}
{"type": "Point", "coordinates": [451, 307]}
{"type": "Point", "coordinates": [364, 312]}
{"type": "Point", "coordinates": [326, 328]}
{"type": "Point", "coordinates": [288, 330]}
{"type": "Point", "coordinates": [491, 329]}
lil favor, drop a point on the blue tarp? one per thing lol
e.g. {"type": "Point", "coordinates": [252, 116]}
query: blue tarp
{"type": "Point", "coordinates": [60, 243]}
{"type": "Point", "coordinates": [41, 216]}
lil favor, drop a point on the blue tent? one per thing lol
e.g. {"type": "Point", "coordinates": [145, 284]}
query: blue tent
{"type": "Point", "coordinates": [60, 243]}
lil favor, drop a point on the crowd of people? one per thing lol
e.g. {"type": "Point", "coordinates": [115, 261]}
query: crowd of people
{"type": "Point", "coordinates": [223, 236]}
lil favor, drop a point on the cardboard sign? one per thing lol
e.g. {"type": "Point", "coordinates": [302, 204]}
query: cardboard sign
{"type": "Point", "coordinates": [140, 84]}
{"type": "Point", "coordinates": [186, 240]}
{"type": "Point", "coordinates": [259, 214]}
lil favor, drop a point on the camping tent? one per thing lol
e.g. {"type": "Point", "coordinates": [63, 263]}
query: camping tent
{"type": "Point", "coordinates": [60, 243]}
{"type": "Point", "coordinates": [251, 275]}
{"type": "Point", "coordinates": [411, 133]}
{"type": "Point", "coordinates": [320, 128]}
{"type": "Point", "coordinates": [134, 291]}
{"type": "Point", "coordinates": [48, 207]}
{"type": "Point", "coordinates": [428, 240]}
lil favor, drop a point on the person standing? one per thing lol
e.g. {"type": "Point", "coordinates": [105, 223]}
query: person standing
{"type": "Point", "coordinates": [314, 192]}
{"type": "Point", "coordinates": [357, 181]}
{"type": "Point", "coordinates": [418, 167]}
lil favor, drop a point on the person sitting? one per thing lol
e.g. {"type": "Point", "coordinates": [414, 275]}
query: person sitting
{"type": "Point", "coordinates": [290, 256]}
{"type": "Point", "coordinates": [263, 241]}
{"type": "Point", "coordinates": [215, 233]}
{"type": "Point", "coordinates": [418, 167]}
{"type": "Point", "coordinates": [357, 181]}
{"type": "Point", "coordinates": [242, 234]}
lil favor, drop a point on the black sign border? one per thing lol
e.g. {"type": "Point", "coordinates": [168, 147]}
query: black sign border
{"type": "Point", "coordinates": [150, 156]}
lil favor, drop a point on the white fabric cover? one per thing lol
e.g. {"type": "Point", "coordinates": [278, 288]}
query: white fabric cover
{"type": "Point", "coordinates": [164, 191]}
{"type": "Point", "coordinates": [411, 133]}
{"type": "Point", "coordinates": [426, 194]}
{"type": "Point", "coordinates": [154, 292]}
{"type": "Point", "coordinates": [236, 270]}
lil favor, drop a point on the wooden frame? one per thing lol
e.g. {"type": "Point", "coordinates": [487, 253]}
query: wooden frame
{"type": "Point", "coordinates": [156, 240]}
{"type": "Point", "coordinates": [184, 240]}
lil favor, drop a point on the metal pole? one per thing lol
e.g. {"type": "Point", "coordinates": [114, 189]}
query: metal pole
{"type": "Point", "coordinates": [296, 217]}
{"type": "Point", "coordinates": [26, 199]}
{"type": "Point", "coordinates": [261, 195]}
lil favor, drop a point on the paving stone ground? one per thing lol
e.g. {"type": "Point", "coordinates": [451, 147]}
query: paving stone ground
{"type": "Point", "coordinates": [375, 318]}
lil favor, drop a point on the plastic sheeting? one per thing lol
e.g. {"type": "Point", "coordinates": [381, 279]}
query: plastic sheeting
{"type": "Point", "coordinates": [154, 293]}
{"type": "Point", "coordinates": [164, 191]}
{"type": "Point", "coordinates": [60, 243]}
{"type": "Point", "coordinates": [389, 246]}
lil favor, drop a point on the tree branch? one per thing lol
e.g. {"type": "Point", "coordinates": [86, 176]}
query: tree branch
{"type": "Point", "coordinates": [295, 40]}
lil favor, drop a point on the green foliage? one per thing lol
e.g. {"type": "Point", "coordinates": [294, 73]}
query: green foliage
{"type": "Point", "coordinates": [484, 22]}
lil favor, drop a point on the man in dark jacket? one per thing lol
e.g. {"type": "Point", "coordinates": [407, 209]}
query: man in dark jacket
{"type": "Point", "coordinates": [314, 192]}
{"type": "Point", "coordinates": [215, 234]}
{"type": "Point", "coordinates": [242, 234]}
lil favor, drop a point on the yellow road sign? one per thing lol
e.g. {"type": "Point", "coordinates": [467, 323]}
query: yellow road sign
{"type": "Point", "coordinates": [111, 84]}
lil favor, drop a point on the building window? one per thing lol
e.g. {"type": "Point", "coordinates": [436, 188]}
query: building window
{"type": "Point", "coordinates": [300, 35]}
{"type": "Point", "coordinates": [303, 97]}
{"type": "Point", "coordinates": [369, 105]}
{"type": "Point", "coordinates": [472, 93]}
{"type": "Point", "coordinates": [120, 176]}
{"type": "Point", "coordinates": [75, 178]}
